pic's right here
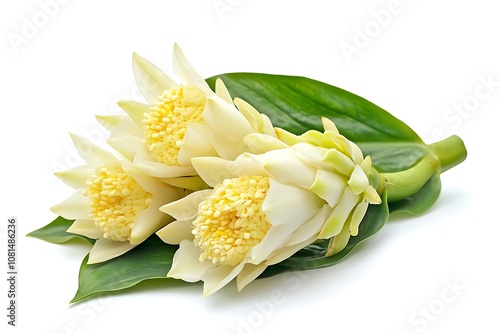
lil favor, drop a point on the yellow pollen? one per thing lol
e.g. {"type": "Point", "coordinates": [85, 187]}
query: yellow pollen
{"type": "Point", "coordinates": [168, 119]}
{"type": "Point", "coordinates": [115, 199]}
{"type": "Point", "coordinates": [231, 221]}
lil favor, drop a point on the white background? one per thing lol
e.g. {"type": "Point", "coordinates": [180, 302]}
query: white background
{"type": "Point", "coordinates": [419, 63]}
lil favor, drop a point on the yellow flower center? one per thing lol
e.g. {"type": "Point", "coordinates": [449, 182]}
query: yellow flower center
{"type": "Point", "coordinates": [116, 199]}
{"type": "Point", "coordinates": [168, 119]}
{"type": "Point", "coordinates": [231, 221]}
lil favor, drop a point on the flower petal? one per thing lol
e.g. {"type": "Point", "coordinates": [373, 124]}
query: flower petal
{"type": "Point", "coordinates": [339, 161]}
{"type": "Point", "coordinates": [151, 81]}
{"type": "Point", "coordinates": [259, 143]}
{"type": "Point", "coordinates": [338, 242]}
{"type": "Point", "coordinates": [222, 91]}
{"type": "Point", "coordinates": [250, 114]}
{"type": "Point", "coordinates": [249, 273]}
{"type": "Point", "coordinates": [311, 227]}
{"type": "Point", "coordinates": [135, 111]}
{"type": "Point", "coordinates": [358, 181]}
{"type": "Point", "coordinates": [357, 217]}
{"type": "Point", "coordinates": [185, 264]}
{"type": "Point", "coordinates": [186, 71]}
{"type": "Point", "coordinates": [187, 207]}
{"type": "Point", "coordinates": [285, 252]}
{"type": "Point", "coordinates": [195, 144]}
{"type": "Point", "coordinates": [339, 215]}
{"type": "Point", "coordinates": [76, 177]}
{"type": "Point", "coordinates": [104, 250]}
{"type": "Point", "coordinates": [93, 155]}
{"type": "Point", "coordinates": [286, 167]}
{"type": "Point", "coordinates": [285, 204]}
{"type": "Point", "coordinates": [329, 186]}
{"type": "Point", "coordinates": [85, 227]}
{"type": "Point", "coordinates": [217, 277]}
{"type": "Point", "coordinates": [74, 207]}
{"type": "Point", "coordinates": [176, 231]}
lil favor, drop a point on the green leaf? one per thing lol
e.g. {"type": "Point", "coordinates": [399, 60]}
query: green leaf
{"type": "Point", "coordinates": [150, 260]}
{"type": "Point", "coordinates": [297, 104]}
{"type": "Point", "coordinates": [313, 256]}
{"type": "Point", "coordinates": [422, 200]}
{"type": "Point", "coordinates": [55, 232]}
{"type": "Point", "coordinates": [394, 157]}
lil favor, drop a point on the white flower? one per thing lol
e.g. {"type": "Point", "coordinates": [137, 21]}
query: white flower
{"type": "Point", "coordinates": [179, 122]}
{"type": "Point", "coordinates": [265, 207]}
{"type": "Point", "coordinates": [114, 202]}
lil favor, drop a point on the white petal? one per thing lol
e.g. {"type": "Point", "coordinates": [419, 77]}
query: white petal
{"type": "Point", "coordinates": [339, 215]}
{"type": "Point", "coordinates": [311, 227]}
{"type": "Point", "coordinates": [319, 139]}
{"type": "Point", "coordinates": [176, 231]}
{"type": "Point", "coordinates": [104, 250]}
{"type": "Point", "coordinates": [93, 155]}
{"type": "Point", "coordinates": [186, 182]}
{"type": "Point", "coordinates": [329, 186]}
{"type": "Point", "coordinates": [260, 143]}
{"type": "Point", "coordinates": [75, 206]}
{"type": "Point", "coordinates": [214, 170]}
{"type": "Point", "coordinates": [328, 125]}
{"type": "Point", "coordinates": [312, 155]}
{"type": "Point", "coordinates": [352, 149]}
{"type": "Point", "coordinates": [76, 177]}
{"type": "Point", "coordinates": [372, 196]}
{"type": "Point", "coordinates": [357, 217]}
{"type": "Point", "coordinates": [225, 119]}
{"type": "Point", "coordinates": [135, 111]}
{"type": "Point", "coordinates": [251, 114]}
{"type": "Point", "coordinates": [285, 252]}
{"type": "Point", "coordinates": [286, 204]}
{"type": "Point", "coordinates": [249, 273]}
{"type": "Point", "coordinates": [127, 146]}
{"type": "Point", "coordinates": [217, 277]}
{"type": "Point", "coordinates": [185, 71]}
{"type": "Point", "coordinates": [151, 81]}
{"type": "Point", "coordinates": [195, 144]}
{"type": "Point", "coordinates": [339, 242]}
{"type": "Point", "coordinates": [288, 137]}
{"type": "Point", "coordinates": [185, 264]}
{"type": "Point", "coordinates": [144, 162]}
{"type": "Point", "coordinates": [358, 181]}
{"type": "Point", "coordinates": [85, 227]}
{"type": "Point", "coordinates": [187, 207]}
{"type": "Point", "coordinates": [222, 91]}
{"type": "Point", "coordinates": [339, 161]}
{"type": "Point", "coordinates": [286, 167]}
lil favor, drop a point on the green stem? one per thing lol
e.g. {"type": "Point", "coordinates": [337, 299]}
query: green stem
{"type": "Point", "coordinates": [442, 156]}
{"type": "Point", "coordinates": [450, 152]}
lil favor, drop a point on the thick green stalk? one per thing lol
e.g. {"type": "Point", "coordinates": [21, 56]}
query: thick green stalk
{"type": "Point", "coordinates": [442, 156]}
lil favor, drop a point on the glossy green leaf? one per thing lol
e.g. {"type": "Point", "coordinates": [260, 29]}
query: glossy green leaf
{"type": "Point", "coordinates": [298, 103]}
{"type": "Point", "coordinates": [56, 232]}
{"type": "Point", "coordinates": [150, 260]}
{"type": "Point", "coordinates": [394, 157]}
{"type": "Point", "coordinates": [421, 201]}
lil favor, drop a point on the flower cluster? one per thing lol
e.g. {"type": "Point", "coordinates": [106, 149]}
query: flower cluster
{"type": "Point", "coordinates": [214, 176]}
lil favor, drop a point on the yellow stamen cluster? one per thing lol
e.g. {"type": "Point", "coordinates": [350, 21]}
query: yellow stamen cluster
{"type": "Point", "coordinates": [168, 119]}
{"type": "Point", "coordinates": [116, 199]}
{"type": "Point", "coordinates": [231, 221]}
